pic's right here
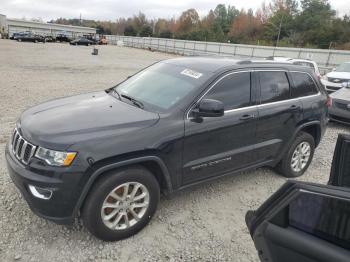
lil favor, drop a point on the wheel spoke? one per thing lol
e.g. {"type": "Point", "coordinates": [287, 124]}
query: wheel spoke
{"type": "Point", "coordinates": [134, 190]}
{"type": "Point", "coordinates": [115, 196]}
{"type": "Point", "coordinates": [126, 189]}
{"type": "Point", "coordinates": [110, 205]}
{"type": "Point", "coordinates": [139, 197]}
{"type": "Point", "coordinates": [126, 220]}
{"type": "Point", "coordinates": [137, 205]}
{"type": "Point", "coordinates": [299, 165]}
{"type": "Point", "coordinates": [110, 215]}
{"type": "Point", "coordinates": [134, 214]}
{"type": "Point", "coordinates": [116, 221]}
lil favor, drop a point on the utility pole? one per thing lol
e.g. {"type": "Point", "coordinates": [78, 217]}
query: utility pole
{"type": "Point", "coordinates": [279, 31]}
{"type": "Point", "coordinates": [80, 19]}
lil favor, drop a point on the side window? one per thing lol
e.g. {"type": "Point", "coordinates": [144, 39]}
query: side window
{"type": "Point", "coordinates": [274, 87]}
{"type": "Point", "coordinates": [233, 91]}
{"type": "Point", "coordinates": [303, 85]}
{"type": "Point", "coordinates": [322, 216]}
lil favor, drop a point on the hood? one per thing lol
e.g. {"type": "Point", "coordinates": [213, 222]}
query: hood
{"type": "Point", "coordinates": [341, 75]}
{"type": "Point", "coordinates": [342, 94]}
{"type": "Point", "coordinates": [62, 122]}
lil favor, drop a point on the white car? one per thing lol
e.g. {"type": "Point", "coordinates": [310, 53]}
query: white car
{"type": "Point", "coordinates": [340, 109]}
{"type": "Point", "coordinates": [302, 62]}
{"type": "Point", "coordinates": [338, 78]}
{"type": "Point", "coordinates": [307, 63]}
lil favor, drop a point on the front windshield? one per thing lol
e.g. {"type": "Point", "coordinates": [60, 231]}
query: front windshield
{"type": "Point", "coordinates": [162, 85]}
{"type": "Point", "coordinates": [345, 67]}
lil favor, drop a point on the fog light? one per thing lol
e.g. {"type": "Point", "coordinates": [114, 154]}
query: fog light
{"type": "Point", "coordinates": [40, 192]}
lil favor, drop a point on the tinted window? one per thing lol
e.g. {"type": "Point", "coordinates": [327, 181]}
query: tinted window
{"type": "Point", "coordinates": [233, 91]}
{"type": "Point", "coordinates": [274, 87]}
{"type": "Point", "coordinates": [322, 216]}
{"type": "Point", "coordinates": [303, 85]}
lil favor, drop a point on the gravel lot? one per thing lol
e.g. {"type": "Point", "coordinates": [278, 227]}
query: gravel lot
{"type": "Point", "coordinates": [205, 223]}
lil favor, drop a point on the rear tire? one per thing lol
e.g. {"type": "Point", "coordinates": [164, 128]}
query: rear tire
{"type": "Point", "coordinates": [112, 198]}
{"type": "Point", "coordinates": [299, 156]}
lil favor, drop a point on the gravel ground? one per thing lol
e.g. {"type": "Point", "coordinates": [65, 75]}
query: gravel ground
{"type": "Point", "coordinates": [205, 223]}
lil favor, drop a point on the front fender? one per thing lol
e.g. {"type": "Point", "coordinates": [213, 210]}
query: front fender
{"type": "Point", "coordinates": [112, 166]}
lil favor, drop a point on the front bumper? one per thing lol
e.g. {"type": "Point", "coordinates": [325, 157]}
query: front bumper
{"type": "Point", "coordinates": [65, 187]}
{"type": "Point", "coordinates": [339, 115]}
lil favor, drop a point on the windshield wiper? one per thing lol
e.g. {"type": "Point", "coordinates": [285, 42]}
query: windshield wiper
{"type": "Point", "coordinates": [116, 92]}
{"type": "Point", "coordinates": [113, 92]}
{"type": "Point", "coordinates": [134, 101]}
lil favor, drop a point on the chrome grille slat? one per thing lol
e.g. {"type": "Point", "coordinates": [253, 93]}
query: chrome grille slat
{"type": "Point", "coordinates": [20, 148]}
{"type": "Point", "coordinates": [17, 145]}
{"type": "Point", "coordinates": [23, 149]}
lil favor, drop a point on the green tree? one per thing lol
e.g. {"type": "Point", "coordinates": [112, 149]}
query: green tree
{"type": "Point", "coordinates": [146, 30]}
{"type": "Point", "coordinates": [315, 23]}
{"type": "Point", "coordinates": [130, 31]}
{"type": "Point", "coordinates": [280, 24]}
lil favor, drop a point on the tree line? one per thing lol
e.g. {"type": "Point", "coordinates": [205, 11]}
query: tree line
{"type": "Point", "coordinates": [292, 23]}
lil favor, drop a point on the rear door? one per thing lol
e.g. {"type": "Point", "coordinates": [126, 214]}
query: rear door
{"type": "Point", "coordinates": [279, 114]}
{"type": "Point", "coordinates": [307, 222]}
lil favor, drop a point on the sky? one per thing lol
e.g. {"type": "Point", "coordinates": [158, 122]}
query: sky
{"type": "Point", "coordinates": [112, 9]}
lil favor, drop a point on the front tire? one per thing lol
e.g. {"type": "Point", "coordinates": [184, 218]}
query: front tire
{"type": "Point", "coordinates": [299, 156]}
{"type": "Point", "coordinates": [121, 203]}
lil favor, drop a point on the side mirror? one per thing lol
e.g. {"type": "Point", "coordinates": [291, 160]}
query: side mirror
{"type": "Point", "coordinates": [209, 108]}
{"type": "Point", "coordinates": [340, 172]}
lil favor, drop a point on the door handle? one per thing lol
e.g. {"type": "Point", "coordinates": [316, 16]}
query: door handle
{"type": "Point", "coordinates": [295, 108]}
{"type": "Point", "coordinates": [246, 117]}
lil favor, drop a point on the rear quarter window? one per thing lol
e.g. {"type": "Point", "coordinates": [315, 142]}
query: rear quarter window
{"type": "Point", "coordinates": [304, 85]}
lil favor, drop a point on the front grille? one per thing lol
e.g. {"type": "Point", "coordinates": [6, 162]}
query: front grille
{"type": "Point", "coordinates": [338, 80]}
{"type": "Point", "coordinates": [22, 149]}
{"type": "Point", "coordinates": [342, 106]}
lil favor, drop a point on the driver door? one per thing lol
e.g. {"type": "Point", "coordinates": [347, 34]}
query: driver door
{"type": "Point", "coordinates": [218, 145]}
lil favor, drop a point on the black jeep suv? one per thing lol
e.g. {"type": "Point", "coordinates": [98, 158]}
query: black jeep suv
{"type": "Point", "coordinates": [107, 155]}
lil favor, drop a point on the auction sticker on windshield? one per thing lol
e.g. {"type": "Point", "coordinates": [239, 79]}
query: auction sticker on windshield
{"type": "Point", "coordinates": [191, 73]}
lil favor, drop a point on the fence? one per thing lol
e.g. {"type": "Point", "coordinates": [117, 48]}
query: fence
{"type": "Point", "coordinates": [326, 59]}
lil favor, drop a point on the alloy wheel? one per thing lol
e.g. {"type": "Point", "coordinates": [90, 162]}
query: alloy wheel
{"type": "Point", "coordinates": [125, 205]}
{"type": "Point", "coordinates": [301, 156]}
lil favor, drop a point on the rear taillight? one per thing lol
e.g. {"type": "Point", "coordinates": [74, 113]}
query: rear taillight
{"type": "Point", "coordinates": [329, 102]}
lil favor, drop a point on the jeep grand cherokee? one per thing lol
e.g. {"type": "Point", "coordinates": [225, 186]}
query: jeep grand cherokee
{"type": "Point", "coordinates": [107, 155]}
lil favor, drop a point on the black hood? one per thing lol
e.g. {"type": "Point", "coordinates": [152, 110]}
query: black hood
{"type": "Point", "coordinates": [60, 123]}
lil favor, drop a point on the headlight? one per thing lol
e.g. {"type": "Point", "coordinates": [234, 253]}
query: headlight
{"type": "Point", "coordinates": [325, 77]}
{"type": "Point", "coordinates": [346, 84]}
{"type": "Point", "coordinates": [55, 158]}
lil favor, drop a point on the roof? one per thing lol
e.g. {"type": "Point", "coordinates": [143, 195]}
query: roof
{"type": "Point", "coordinates": [216, 63]}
